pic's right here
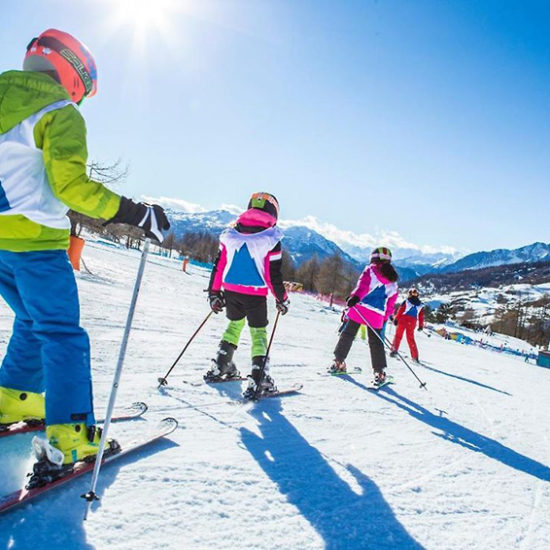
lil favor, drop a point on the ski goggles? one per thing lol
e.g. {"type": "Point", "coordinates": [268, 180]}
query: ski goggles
{"type": "Point", "coordinates": [258, 200]}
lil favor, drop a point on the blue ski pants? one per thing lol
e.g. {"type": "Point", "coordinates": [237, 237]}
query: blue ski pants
{"type": "Point", "coordinates": [48, 350]}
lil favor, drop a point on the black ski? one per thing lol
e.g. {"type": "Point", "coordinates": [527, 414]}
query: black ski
{"type": "Point", "coordinates": [295, 388]}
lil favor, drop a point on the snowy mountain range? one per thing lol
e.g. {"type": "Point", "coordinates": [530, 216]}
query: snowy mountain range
{"type": "Point", "coordinates": [536, 252]}
{"type": "Point", "coordinates": [301, 241]}
{"type": "Point", "coordinates": [308, 237]}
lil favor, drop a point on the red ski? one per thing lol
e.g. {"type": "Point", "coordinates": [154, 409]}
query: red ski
{"type": "Point", "coordinates": [22, 496]}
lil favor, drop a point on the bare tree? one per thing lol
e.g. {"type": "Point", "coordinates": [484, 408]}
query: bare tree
{"type": "Point", "coordinates": [307, 273]}
{"type": "Point", "coordinates": [331, 277]}
{"type": "Point", "coordinates": [202, 247]}
{"type": "Point", "coordinates": [170, 243]}
{"type": "Point", "coordinates": [108, 174]}
{"type": "Point", "coordinates": [288, 269]}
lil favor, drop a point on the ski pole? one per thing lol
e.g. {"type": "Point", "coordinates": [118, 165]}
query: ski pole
{"type": "Point", "coordinates": [387, 341]}
{"type": "Point", "coordinates": [90, 496]}
{"type": "Point", "coordinates": [163, 381]}
{"type": "Point", "coordinates": [262, 369]}
{"type": "Point", "coordinates": [422, 384]}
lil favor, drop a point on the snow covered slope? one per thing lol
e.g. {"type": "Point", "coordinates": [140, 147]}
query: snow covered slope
{"type": "Point", "coordinates": [463, 465]}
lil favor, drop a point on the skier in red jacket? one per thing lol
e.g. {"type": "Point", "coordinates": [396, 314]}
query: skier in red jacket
{"type": "Point", "coordinates": [405, 320]}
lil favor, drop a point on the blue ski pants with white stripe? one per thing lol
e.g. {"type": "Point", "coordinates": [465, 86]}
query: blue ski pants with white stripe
{"type": "Point", "coordinates": [48, 350]}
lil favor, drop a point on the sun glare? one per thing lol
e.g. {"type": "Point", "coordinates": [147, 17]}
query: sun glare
{"type": "Point", "coordinates": [144, 14]}
{"type": "Point", "coordinates": [146, 19]}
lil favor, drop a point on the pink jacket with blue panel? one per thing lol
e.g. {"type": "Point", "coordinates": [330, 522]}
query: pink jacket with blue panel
{"type": "Point", "coordinates": [377, 296]}
{"type": "Point", "coordinates": [250, 257]}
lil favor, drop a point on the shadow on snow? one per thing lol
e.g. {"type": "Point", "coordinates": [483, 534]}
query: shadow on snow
{"type": "Point", "coordinates": [343, 518]}
{"type": "Point", "coordinates": [455, 433]}
{"type": "Point", "coordinates": [55, 520]}
{"type": "Point", "coordinates": [469, 380]}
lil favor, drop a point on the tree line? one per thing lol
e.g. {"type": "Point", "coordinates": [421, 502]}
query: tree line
{"type": "Point", "coordinates": [332, 276]}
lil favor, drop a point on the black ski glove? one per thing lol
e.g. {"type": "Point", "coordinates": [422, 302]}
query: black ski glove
{"type": "Point", "coordinates": [149, 217]}
{"type": "Point", "coordinates": [217, 301]}
{"type": "Point", "coordinates": [420, 329]}
{"type": "Point", "coordinates": [352, 301]}
{"type": "Point", "coordinates": [282, 306]}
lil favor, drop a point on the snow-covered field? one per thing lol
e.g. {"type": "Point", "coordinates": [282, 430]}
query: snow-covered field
{"type": "Point", "coordinates": [463, 465]}
{"type": "Point", "coordinates": [484, 302]}
{"type": "Point", "coordinates": [494, 339]}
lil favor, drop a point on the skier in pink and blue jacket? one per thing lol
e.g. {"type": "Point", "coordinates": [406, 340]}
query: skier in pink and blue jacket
{"type": "Point", "coordinates": [371, 303]}
{"type": "Point", "coordinates": [248, 266]}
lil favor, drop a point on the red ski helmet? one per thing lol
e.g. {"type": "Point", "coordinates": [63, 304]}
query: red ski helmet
{"type": "Point", "coordinates": [380, 254]}
{"type": "Point", "coordinates": [71, 60]}
{"type": "Point", "coordinates": [266, 202]}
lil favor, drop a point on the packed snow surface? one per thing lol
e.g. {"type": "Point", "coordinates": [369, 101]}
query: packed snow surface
{"type": "Point", "coordinates": [462, 465]}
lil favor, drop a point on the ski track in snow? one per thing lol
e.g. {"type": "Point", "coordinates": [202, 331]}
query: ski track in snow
{"type": "Point", "coordinates": [462, 465]}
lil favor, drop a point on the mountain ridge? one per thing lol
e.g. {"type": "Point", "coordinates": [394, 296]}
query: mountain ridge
{"type": "Point", "coordinates": [306, 238]}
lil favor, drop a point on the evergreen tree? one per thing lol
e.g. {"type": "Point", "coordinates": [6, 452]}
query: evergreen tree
{"type": "Point", "coordinates": [443, 313]}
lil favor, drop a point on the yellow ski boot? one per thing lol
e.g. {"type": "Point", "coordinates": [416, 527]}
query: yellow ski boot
{"type": "Point", "coordinates": [77, 441]}
{"type": "Point", "coordinates": [18, 406]}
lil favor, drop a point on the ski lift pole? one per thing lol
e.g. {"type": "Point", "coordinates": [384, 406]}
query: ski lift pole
{"type": "Point", "coordinates": [258, 386]}
{"type": "Point", "coordinates": [163, 381]}
{"type": "Point", "coordinates": [383, 340]}
{"type": "Point", "coordinates": [90, 496]}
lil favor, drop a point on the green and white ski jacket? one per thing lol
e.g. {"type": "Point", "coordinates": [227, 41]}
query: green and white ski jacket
{"type": "Point", "coordinates": [43, 157]}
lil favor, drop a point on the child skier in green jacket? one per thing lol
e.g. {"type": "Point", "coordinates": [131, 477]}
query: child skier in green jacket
{"type": "Point", "coordinates": [43, 174]}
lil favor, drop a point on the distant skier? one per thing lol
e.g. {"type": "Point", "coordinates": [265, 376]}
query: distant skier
{"type": "Point", "coordinates": [247, 266]}
{"type": "Point", "coordinates": [371, 303]}
{"type": "Point", "coordinates": [43, 174]}
{"type": "Point", "coordinates": [409, 313]}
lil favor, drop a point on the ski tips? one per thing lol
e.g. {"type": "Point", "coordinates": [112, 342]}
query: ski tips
{"type": "Point", "coordinates": [139, 406]}
{"type": "Point", "coordinates": [170, 424]}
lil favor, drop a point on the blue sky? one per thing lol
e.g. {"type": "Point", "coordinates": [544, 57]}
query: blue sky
{"type": "Point", "coordinates": [428, 118]}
